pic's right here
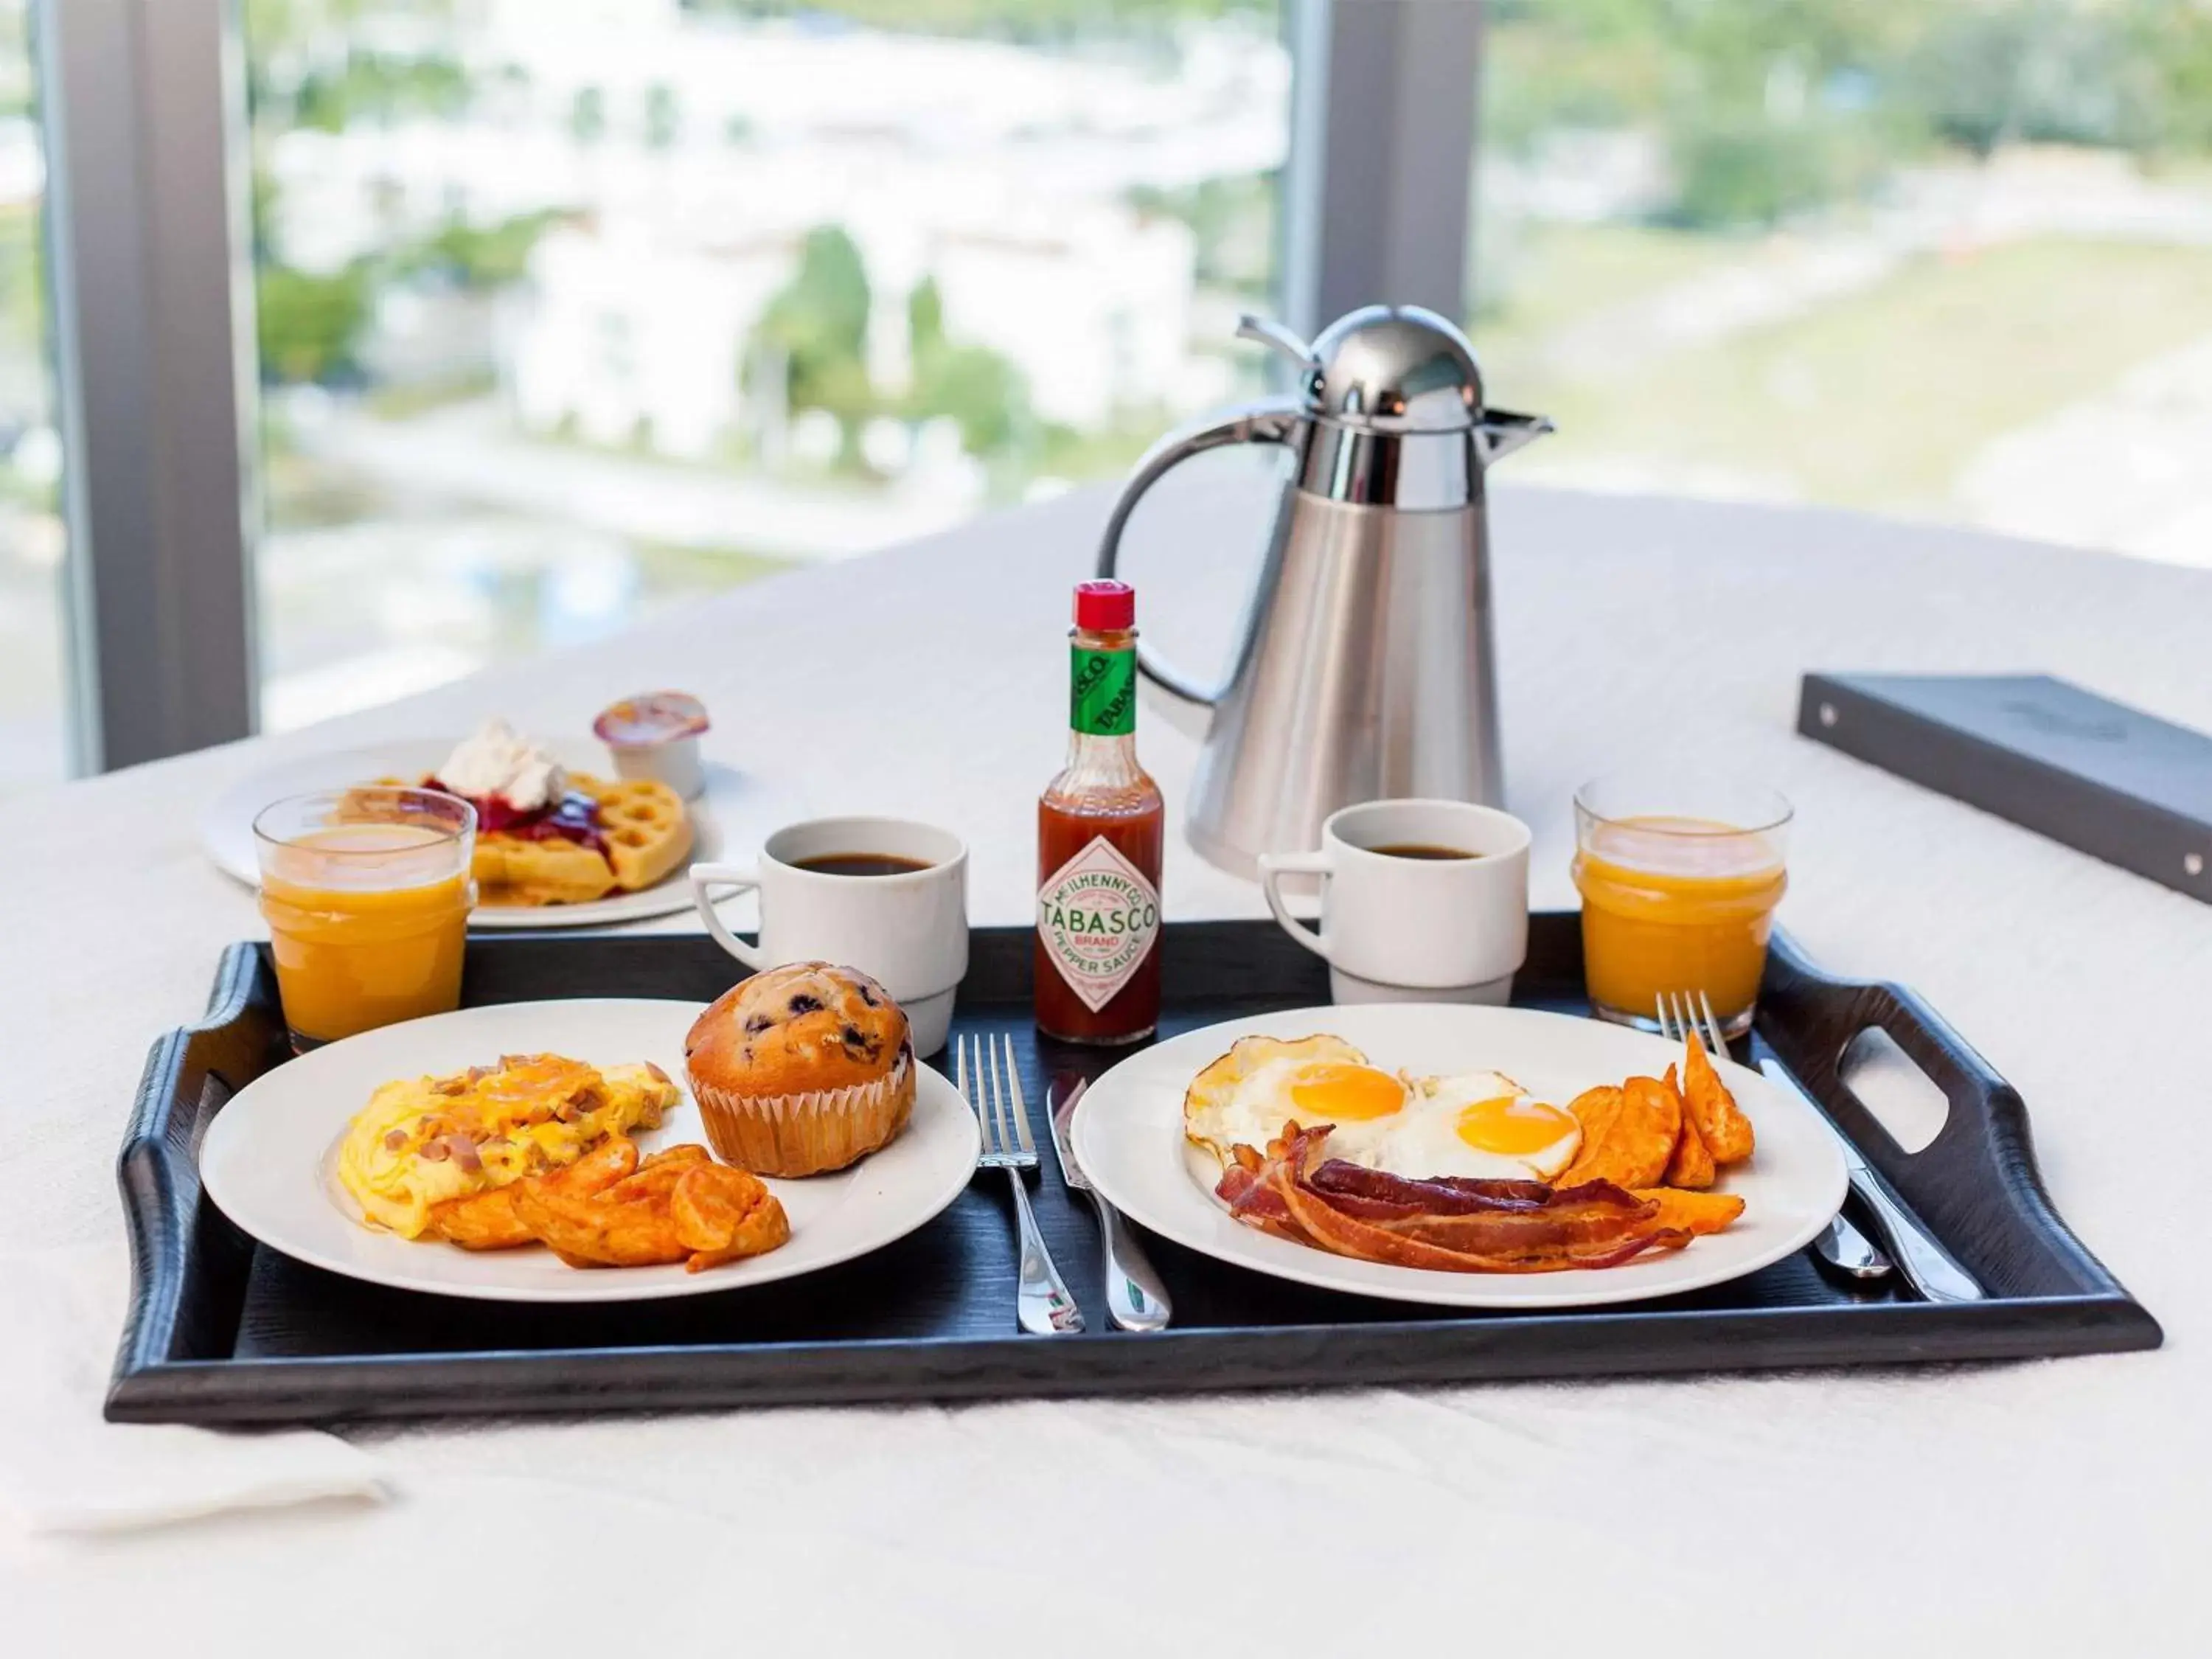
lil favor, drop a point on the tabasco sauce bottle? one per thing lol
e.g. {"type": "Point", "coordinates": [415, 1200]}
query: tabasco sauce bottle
{"type": "Point", "coordinates": [1100, 828]}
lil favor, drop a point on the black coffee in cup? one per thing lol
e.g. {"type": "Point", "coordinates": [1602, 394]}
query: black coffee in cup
{"type": "Point", "coordinates": [1422, 850]}
{"type": "Point", "coordinates": [863, 864]}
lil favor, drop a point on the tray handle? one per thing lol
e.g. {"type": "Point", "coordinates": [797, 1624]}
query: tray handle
{"type": "Point", "coordinates": [187, 1280]}
{"type": "Point", "coordinates": [1976, 1184]}
{"type": "Point", "coordinates": [1929, 1042]}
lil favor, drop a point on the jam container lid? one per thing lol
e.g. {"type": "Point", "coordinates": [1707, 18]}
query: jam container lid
{"type": "Point", "coordinates": [650, 718]}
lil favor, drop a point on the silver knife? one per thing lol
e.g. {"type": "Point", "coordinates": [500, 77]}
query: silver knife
{"type": "Point", "coordinates": [1849, 1251]}
{"type": "Point", "coordinates": [1927, 1266]}
{"type": "Point", "coordinates": [1135, 1300]}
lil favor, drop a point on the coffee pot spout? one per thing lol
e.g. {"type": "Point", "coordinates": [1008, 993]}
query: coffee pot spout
{"type": "Point", "coordinates": [1502, 432]}
{"type": "Point", "coordinates": [1269, 333]}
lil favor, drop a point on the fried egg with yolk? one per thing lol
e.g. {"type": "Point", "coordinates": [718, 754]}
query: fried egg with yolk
{"type": "Point", "coordinates": [1245, 1097]}
{"type": "Point", "coordinates": [1480, 1125]}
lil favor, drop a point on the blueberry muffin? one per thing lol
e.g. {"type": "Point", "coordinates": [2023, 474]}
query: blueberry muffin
{"type": "Point", "coordinates": [801, 1069]}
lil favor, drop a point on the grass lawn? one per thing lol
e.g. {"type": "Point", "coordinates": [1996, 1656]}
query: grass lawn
{"type": "Point", "coordinates": [1879, 398]}
{"type": "Point", "coordinates": [1547, 276]}
{"type": "Point", "coordinates": [668, 572]}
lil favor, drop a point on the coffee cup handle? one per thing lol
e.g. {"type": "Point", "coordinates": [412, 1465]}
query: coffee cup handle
{"type": "Point", "coordinates": [1273, 866]}
{"type": "Point", "coordinates": [731, 878]}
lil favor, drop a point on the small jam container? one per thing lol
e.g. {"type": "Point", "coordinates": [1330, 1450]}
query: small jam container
{"type": "Point", "coordinates": [656, 735]}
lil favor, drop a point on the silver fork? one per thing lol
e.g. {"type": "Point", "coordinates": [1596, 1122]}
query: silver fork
{"type": "Point", "coordinates": [1043, 1304]}
{"type": "Point", "coordinates": [1840, 1244]}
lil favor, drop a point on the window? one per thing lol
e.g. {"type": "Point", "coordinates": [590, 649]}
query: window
{"type": "Point", "coordinates": [1943, 259]}
{"type": "Point", "coordinates": [33, 706]}
{"type": "Point", "coordinates": [573, 309]}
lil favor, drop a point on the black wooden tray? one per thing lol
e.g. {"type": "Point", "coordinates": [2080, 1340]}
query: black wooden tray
{"type": "Point", "coordinates": [222, 1330]}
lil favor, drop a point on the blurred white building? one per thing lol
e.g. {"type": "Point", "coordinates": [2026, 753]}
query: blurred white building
{"type": "Point", "coordinates": [630, 333]}
{"type": "Point", "coordinates": [634, 338]}
{"type": "Point", "coordinates": [693, 156]}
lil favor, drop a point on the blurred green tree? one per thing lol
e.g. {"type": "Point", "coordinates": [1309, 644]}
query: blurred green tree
{"type": "Point", "coordinates": [925, 316]}
{"type": "Point", "coordinates": [978, 389]}
{"type": "Point", "coordinates": [370, 89]}
{"type": "Point", "coordinates": [664, 117]}
{"type": "Point", "coordinates": [587, 116]}
{"type": "Point", "coordinates": [309, 326]}
{"type": "Point", "coordinates": [818, 323]}
{"type": "Point", "coordinates": [480, 257]}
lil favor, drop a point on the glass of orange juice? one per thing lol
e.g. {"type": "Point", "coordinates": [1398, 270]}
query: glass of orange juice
{"type": "Point", "coordinates": [1680, 874]}
{"type": "Point", "coordinates": [367, 893]}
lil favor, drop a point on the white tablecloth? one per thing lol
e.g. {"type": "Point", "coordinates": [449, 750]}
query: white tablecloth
{"type": "Point", "coordinates": [2043, 1505]}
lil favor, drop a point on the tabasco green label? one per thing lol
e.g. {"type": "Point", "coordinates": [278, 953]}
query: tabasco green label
{"type": "Point", "coordinates": [1102, 692]}
{"type": "Point", "coordinates": [1098, 918]}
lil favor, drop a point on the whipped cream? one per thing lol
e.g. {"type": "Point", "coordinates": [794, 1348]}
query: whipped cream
{"type": "Point", "coordinates": [497, 761]}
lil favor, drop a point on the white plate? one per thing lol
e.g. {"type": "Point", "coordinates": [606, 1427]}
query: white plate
{"type": "Point", "coordinates": [269, 1158]}
{"type": "Point", "coordinates": [730, 820]}
{"type": "Point", "coordinates": [1128, 1137]}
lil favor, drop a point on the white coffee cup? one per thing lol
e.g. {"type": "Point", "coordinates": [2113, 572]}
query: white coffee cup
{"type": "Point", "coordinates": [907, 931]}
{"type": "Point", "coordinates": [1396, 928]}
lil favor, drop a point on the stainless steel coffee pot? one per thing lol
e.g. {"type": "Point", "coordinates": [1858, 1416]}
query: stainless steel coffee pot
{"type": "Point", "coordinates": [1365, 667]}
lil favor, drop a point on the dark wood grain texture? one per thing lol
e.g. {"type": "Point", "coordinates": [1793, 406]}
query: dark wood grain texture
{"type": "Point", "coordinates": [224, 1330]}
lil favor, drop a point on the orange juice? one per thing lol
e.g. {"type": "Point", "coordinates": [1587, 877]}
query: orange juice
{"type": "Point", "coordinates": [366, 922]}
{"type": "Point", "coordinates": [1676, 904]}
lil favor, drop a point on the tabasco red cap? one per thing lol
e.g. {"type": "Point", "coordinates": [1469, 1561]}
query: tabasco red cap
{"type": "Point", "coordinates": [1104, 606]}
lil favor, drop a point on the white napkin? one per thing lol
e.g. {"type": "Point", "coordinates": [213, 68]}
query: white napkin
{"type": "Point", "coordinates": [63, 1468]}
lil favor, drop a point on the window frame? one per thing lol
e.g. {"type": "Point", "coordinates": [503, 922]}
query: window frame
{"type": "Point", "coordinates": [1380, 90]}
{"type": "Point", "coordinates": [152, 286]}
{"type": "Point", "coordinates": [146, 218]}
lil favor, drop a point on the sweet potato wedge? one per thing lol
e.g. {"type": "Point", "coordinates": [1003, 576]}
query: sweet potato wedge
{"type": "Point", "coordinates": [636, 1234]}
{"type": "Point", "coordinates": [488, 1221]}
{"type": "Point", "coordinates": [1631, 1143]}
{"type": "Point", "coordinates": [1691, 1165]}
{"type": "Point", "coordinates": [1692, 1213]}
{"type": "Point", "coordinates": [481, 1221]}
{"type": "Point", "coordinates": [1727, 1131]}
{"type": "Point", "coordinates": [724, 1214]}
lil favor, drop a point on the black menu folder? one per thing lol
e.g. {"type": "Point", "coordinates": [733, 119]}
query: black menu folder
{"type": "Point", "coordinates": [2111, 780]}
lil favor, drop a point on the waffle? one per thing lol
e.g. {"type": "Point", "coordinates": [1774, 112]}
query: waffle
{"type": "Point", "coordinates": [648, 836]}
{"type": "Point", "coordinates": [647, 832]}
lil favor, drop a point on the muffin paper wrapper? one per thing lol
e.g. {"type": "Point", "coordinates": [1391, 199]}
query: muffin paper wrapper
{"type": "Point", "coordinates": [809, 1132]}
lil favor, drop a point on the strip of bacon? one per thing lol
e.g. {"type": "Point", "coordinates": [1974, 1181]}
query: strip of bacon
{"type": "Point", "coordinates": [1244, 1188]}
{"type": "Point", "coordinates": [1438, 1194]}
{"type": "Point", "coordinates": [1456, 1227]}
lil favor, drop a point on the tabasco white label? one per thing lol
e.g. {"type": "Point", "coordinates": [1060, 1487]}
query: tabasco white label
{"type": "Point", "coordinates": [1099, 917]}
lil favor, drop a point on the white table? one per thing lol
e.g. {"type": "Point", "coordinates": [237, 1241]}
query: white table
{"type": "Point", "coordinates": [2042, 1506]}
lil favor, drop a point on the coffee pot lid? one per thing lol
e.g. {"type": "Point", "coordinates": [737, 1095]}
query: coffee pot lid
{"type": "Point", "coordinates": [1394, 368]}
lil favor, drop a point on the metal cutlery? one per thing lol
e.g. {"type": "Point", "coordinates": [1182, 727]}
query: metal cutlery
{"type": "Point", "coordinates": [1042, 1304]}
{"type": "Point", "coordinates": [1840, 1244]}
{"type": "Point", "coordinates": [1849, 1251]}
{"type": "Point", "coordinates": [1926, 1264]}
{"type": "Point", "coordinates": [1135, 1299]}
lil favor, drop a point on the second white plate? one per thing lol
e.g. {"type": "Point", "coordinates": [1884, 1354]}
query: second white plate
{"type": "Point", "coordinates": [1128, 1137]}
{"type": "Point", "coordinates": [267, 1160]}
{"type": "Point", "coordinates": [737, 812]}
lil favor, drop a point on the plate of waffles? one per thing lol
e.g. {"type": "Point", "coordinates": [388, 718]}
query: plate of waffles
{"type": "Point", "coordinates": [619, 855]}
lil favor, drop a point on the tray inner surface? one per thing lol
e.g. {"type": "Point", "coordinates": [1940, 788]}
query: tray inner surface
{"type": "Point", "coordinates": [951, 1284]}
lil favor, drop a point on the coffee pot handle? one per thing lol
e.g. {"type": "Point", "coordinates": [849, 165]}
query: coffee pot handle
{"type": "Point", "coordinates": [1272, 421]}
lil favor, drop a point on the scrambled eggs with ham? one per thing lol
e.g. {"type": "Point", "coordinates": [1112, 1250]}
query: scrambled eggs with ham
{"type": "Point", "coordinates": [420, 1142]}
